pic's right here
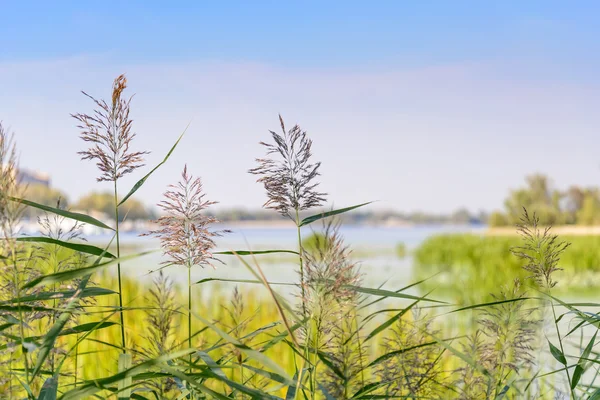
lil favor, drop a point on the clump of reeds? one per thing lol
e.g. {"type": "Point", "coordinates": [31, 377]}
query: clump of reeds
{"type": "Point", "coordinates": [51, 259]}
{"type": "Point", "coordinates": [510, 329]}
{"type": "Point", "coordinates": [161, 334]}
{"type": "Point", "coordinates": [541, 251]}
{"type": "Point", "coordinates": [15, 266]}
{"type": "Point", "coordinates": [330, 301]}
{"type": "Point", "coordinates": [415, 372]}
{"type": "Point", "coordinates": [471, 383]}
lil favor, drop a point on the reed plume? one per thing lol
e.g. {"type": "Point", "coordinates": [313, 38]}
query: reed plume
{"type": "Point", "coordinates": [15, 263]}
{"type": "Point", "coordinates": [108, 130]}
{"type": "Point", "coordinates": [288, 174]}
{"type": "Point", "coordinates": [185, 230]}
{"type": "Point", "coordinates": [541, 250]}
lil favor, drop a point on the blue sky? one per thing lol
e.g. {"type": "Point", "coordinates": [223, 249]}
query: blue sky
{"type": "Point", "coordinates": [424, 105]}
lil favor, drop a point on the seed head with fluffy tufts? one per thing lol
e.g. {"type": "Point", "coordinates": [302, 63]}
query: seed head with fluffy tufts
{"type": "Point", "coordinates": [184, 231]}
{"type": "Point", "coordinates": [108, 130]}
{"type": "Point", "coordinates": [289, 176]}
{"type": "Point", "coordinates": [541, 250]}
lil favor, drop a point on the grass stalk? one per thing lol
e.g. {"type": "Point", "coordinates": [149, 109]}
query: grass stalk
{"type": "Point", "coordinates": [20, 312]}
{"type": "Point", "coordinates": [119, 268]}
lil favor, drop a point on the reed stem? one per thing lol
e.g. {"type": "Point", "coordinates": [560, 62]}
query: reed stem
{"type": "Point", "coordinates": [119, 269]}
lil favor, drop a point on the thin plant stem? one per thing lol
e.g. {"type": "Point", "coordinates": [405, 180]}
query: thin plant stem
{"type": "Point", "coordinates": [190, 312]}
{"type": "Point", "coordinates": [76, 362]}
{"type": "Point", "coordinates": [119, 269]}
{"type": "Point", "coordinates": [301, 263]}
{"type": "Point", "coordinates": [20, 311]}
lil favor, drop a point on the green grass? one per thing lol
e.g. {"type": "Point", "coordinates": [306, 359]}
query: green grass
{"type": "Point", "coordinates": [480, 264]}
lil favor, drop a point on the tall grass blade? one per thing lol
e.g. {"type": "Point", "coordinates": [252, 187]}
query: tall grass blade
{"type": "Point", "coordinates": [316, 217]}
{"type": "Point", "coordinates": [387, 293]}
{"type": "Point", "coordinates": [124, 385]}
{"type": "Point", "coordinates": [77, 273]}
{"type": "Point", "coordinates": [43, 296]}
{"type": "Point", "coordinates": [80, 247]}
{"type": "Point", "coordinates": [254, 354]}
{"type": "Point", "coordinates": [557, 354]}
{"type": "Point", "coordinates": [56, 329]}
{"type": "Point", "coordinates": [581, 365]}
{"type": "Point", "coordinates": [143, 180]}
{"type": "Point", "coordinates": [252, 253]}
{"type": "Point", "coordinates": [67, 214]}
{"type": "Point", "coordinates": [49, 389]}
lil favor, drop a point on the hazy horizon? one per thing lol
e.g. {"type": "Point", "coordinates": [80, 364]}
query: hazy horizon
{"type": "Point", "coordinates": [404, 104]}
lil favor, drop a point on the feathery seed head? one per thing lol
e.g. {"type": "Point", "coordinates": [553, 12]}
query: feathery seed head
{"type": "Point", "coordinates": [184, 231]}
{"type": "Point", "coordinates": [541, 250]}
{"type": "Point", "coordinates": [108, 130]}
{"type": "Point", "coordinates": [289, 176]}
{"type": "Point", "coordinates": [329, 272]}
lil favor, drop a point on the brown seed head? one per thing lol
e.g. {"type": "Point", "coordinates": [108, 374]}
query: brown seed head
{"type": "Point", "coordinates": [108, 130]}
{"type": "Point", "coordinates": [184, 231]}
{"type": "Point", "coordinates": [289, 176]}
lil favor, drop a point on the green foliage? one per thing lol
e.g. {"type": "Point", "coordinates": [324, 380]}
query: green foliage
{"type": "Point", "coordinates": [473, 266]}
{"type": "Point", "coordinates": [576, 205]}
{"type": "Point", "coordinates": [44, 195]}
{"type": "Point", "coordinates": [104, 202]}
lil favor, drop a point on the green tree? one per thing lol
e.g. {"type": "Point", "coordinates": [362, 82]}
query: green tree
{"type": "Point", "coordinates": [45, 195]}
{"type": "Point", "coordinates": [104, 202]}
{"type": "Point", "coordinates": [538, 196]}
{"type": "Point", "coordinates": [497, 218]}
{"type": "Point", "coordinates": [589, 213]}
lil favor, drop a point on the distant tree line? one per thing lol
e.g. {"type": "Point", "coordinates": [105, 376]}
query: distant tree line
{"type": "Point", "coordinates": [101, 202]}
{"type": "Point", "coordinates": [576, 205]}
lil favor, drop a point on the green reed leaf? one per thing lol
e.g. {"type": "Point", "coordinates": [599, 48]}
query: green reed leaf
{"type": "Point", "coordinates": [247, 350]}
{"type": "Point", "coordinates": [394, 353]}
{"type": "Point", "coordinates": [316, 217]}
{"type": "Point", "coordinates": [253, 253]}
{"type": "Point", "coordinates": [77, 273]}
{"type": "Point", "coordinates": [80, 247]}
{"type": "Point", "coordinates": [582, 363]}
{"type": "Point", "coordinates": [50, 338]}
{"type": "Point", "coordinates": [90, 388]}
{"type": "Point", "coordinates": [595, 395]}
{"type": "Point", "coordinates": [43, 296]}
{"type": "Point", "coordinates": [124, 385]}
{"type": "Point", "coordinates": [557, 354]}
{"type": "Point", "coordinates": [491, 303]}
{"type": "Point", "coordinates": [368, 388]}
{"type": "Point", "coordinates": [143, 180]}
{"type": "Point", "coordinates": [49, 389]}
{"type": "Point", "coordinates": [242, 281]}
{"type": "Point", "coordinates": [67, 214]}
{"type": "Point", "coordinates": [389, 322]}
{"type": "Point", "coordinates": [388, 293]}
